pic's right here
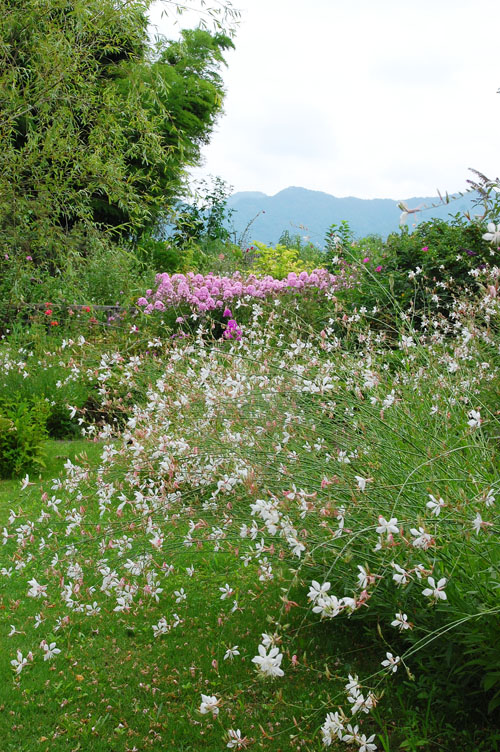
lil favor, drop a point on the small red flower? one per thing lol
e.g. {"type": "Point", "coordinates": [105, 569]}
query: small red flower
{"type": "Point", "coordinates": [54, 323]}
{"type": "Point", "coordinates": [86, 309]}
{"type": "Point", "coordinates": [48, 312]}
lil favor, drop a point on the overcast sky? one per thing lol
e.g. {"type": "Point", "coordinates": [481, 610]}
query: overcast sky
{"type": "Point", "coordinates": [367, 98]}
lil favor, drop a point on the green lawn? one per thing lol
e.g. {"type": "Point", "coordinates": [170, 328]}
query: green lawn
{"type": "Point", "coordinates": [57, 453]}
{"type": "Point", "coordinates": [115, 687]}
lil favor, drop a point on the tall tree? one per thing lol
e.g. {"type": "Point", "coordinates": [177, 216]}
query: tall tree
{"type": "Point", "coordinates": [97, 125]}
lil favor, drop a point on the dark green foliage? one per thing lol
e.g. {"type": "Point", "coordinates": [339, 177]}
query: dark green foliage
{"type": "Point", "coordinates": [59, 423]}
{"type": "Point", "coordinates": [198, 237]}
{"type": "Point", "coordinates": [203, 221]}
{"type": "Point", "coordinates": [161, 255]}
{"type": "Point", "coordinates": [337, 236]}
{"type": "Point", "coordinates": [309, 254]}
{"type": "Point", "coordinates": [22, 436]}
{"type": "Point", "coordinates": [97, 128]}
{"type": "Point", "coordinates": [453, 248]}
{"type": "Point", "coordinates": [436, 259]}
{"type": "Point", "coordinates": [44, 389]}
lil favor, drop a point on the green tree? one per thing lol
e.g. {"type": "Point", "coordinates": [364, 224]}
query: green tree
{"type": "Point", "coordinates": [205, 217]}
{"type": "Point", "coordinates": [97, 125]}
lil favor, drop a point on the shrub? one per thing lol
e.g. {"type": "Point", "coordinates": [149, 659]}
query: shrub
{"type": "Point", "coordinates": [39, 375]}
{"type": "Point", "coordinates": [338, 237]}
{"type": "Point", "coordinates": [309, 254]}
{"type": "Point", "coordinates": [277, 262]}
{"type": "Point", "coordinates": [442, 248]}
{"type": "Point", "coordinates": [22, 436]}
{"type": "Point", "coordinates": [424, 269]}
{"type": "Point", "coordinates": [162, 255]}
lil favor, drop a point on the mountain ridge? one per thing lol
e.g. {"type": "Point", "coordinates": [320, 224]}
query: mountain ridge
{"type": "Point", "coordinates": [310, 213]}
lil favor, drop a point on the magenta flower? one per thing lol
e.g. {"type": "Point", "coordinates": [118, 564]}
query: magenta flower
{"type": "Point", "coordinates": [378, 268]}
{"type": "Point", "coordinates": [232, 330]}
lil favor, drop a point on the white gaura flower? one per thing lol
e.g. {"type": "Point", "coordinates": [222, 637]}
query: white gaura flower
{"type": "Point", "coordinates": [226, 591]}
{"type": "Point", "coordinates": [366, 743]}
{"type": "Point", "coordinates": [421, 539]}
{"type": "Point", "coordinates": [36, 590]}
{"type": "Point", "coordinates": [26, 482]}
{"type": "Point", "coordinates": [388, 527]}
{"type": "Point", "coordinates": [435, 505]}
{"type": "Point", "coordinates": [435, 591]}
{"type": "Point", "coordinates": [474, 418]}
{"type": "Point", "coordinates": [479, 524]}
{"type": "Point", "coordinates": [364, 577]}
{"type": "Point", "coordinates": [401, 621]}
{"type": "Point", "coordinates": [489, 498]}
{"type": "Point", "coordinates": [269, 664]}
{"type": "Point", "coordinates": [231, 652]}
{"type": "Point", "coordinates": [401, 577]}
{"type": "Point", "coordinates": [358, 703]}
{"type": "Point", "coordinates": [180, 595]}
{"type": "Point", "coordinates": [333, 726]}
{"type": "Point", "coordinates": [352, 733]}
{"type": "Point", "coordinates": [209, 704]}
{"type": "Point", "coordinates": [362, 482]}
{"type": "Point", "coordinates": [236, 740]}
{"type": "Point", "coordinates": [353, 686]}
{"type": "Point", "coordinates": [391, 662]}
{"type": "Point", "coordinates": [318, 591]}
{"type": "Point", "coordinates": [328, 606]}
{"type": "Point", "coordinates": [268, 640]}
{"type": "Point", "coordinates": [493, 234]}
{"type": "Point", "coordinates": [19, 662]}
{"type": "Point", "coordinates": [161, 628]}
{"type": "Point", "coordinates": [50, 650]}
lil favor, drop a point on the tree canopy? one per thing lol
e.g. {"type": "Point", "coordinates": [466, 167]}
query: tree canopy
{"type": "Point", "coordinates": [97, 123]}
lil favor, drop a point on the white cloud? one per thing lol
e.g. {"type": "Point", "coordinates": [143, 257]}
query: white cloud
{"type": "Point", "coordinates": [360, 98]}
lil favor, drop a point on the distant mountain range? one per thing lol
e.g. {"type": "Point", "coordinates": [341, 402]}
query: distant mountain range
{"type": "Point", "coordinates": [310, 213]}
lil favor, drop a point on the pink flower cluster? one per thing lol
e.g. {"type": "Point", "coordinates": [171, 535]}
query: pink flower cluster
{"type": "Point", "coordinates": [210, 292]}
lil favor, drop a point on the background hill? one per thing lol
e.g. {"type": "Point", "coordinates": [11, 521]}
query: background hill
{"type": "Point", "coordinates": [310, 213]}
